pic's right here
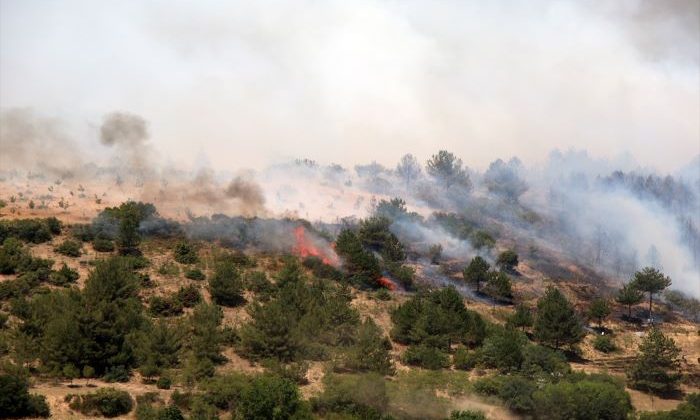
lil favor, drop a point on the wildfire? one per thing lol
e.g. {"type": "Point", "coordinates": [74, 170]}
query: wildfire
{"type": "Point", "coordinates": [304, 247]}
{"type": "Point", "coordinates": [387, 283]}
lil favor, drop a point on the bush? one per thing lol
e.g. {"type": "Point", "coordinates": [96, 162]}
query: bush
{"type": "Point", "coordinates": [189, 296]}
{"type": "Point", "coordinates": [185, 253]}
{"type": "Point", "coordinates": [425, 356]}
{"type": "Point", "coordinates": [16, 401]}
{"type": "Point", "coordinates": [467, 415]}
{"type": "Point", "coordinates": [82, 232]}
{"type": "Point", "coordinates": [257, 282]}
{"type": "Point", "coordinates": [103, 245]}
{"type": "Point", "coordinates": [225, 285]}
{"type": "Point", "coordinates": [164, 306]}
{"type": "Point", "coordinates": [117, 374]}
{"type": "Point", "coordinates": [604, 344]}
{"type": "Point", "coordinates": [68, 248]}
{"type": "Point", "coordinates": [589, 398]}
{"type": "Point", "coordinates": [515, 391]}
{"type": "Point", "coordinates": [356, 396]}
{"type": "Point", "coordinates": [107, 402]}
{"type": "Point", "coordinates": [464, 359]}
{"type": "Point", "coordinates": [164, 382]}
{"type": "Point", "coordinates": [63, 276]}
{"type": "Point", "coordinates": [169, 269]}
{"type": "Point", "coordinates": [688, 410]}
{"type": "Point", "coordinates": [195, 274]}
{"type": "Point", "coordinates": [270, 397]}
{"type": "Point", "coordinates": [507, 260]}
{"type": "Point", "coordinates": [503, 349]}
{"type": "Point", "coordinates": [383, 294]}
{"type": "Point", "coordinates": [30, 230]}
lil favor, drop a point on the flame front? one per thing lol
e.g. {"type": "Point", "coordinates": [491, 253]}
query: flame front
{"type": "Point", "coordinates": [304, 247]}
{"type": "Point", "coordinates": [387, 283]}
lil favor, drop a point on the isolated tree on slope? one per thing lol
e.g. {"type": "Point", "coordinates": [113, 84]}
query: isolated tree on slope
{"type": "Point", "coordinates": [657, 368]}
{"type": "Point", "coordinates": [476, 272]}
{"type": "Point", "coordinates": [599, 310]}
{"type": "Point", "coordinates": [650, 280]}
{"type": "Point", "coordinates": [408, 169]}
{"type": "Point", "coordinates": [556, 321]}
{"type": "Point", "coordinates": [447, 168]}
{"type": "Point", "coordinates": [629, 295]}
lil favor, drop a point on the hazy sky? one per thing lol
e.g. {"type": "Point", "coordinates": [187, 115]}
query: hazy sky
{"type": "Point", "coordinates": [249, 83]}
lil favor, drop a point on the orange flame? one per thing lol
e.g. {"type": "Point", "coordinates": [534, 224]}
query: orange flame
{"type": "Point", "coordinates": [306, 248]}
{"type": "Point", "coordinates": [387, 283]}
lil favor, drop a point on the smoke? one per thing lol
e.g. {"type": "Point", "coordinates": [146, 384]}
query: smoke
{"type": "Point", "coordinates": [661, 30]}
{"type": "Point", "coordinates": [128, 134]}
{"type": "Point", "coordinates": [255, 83]}
{"type": "Point", "coordinates": [30, 142]}
{"type": "Point", "coordinates": [248, 194]}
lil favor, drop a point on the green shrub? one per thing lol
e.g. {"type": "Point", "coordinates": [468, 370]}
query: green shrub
{"type": "Point", "coordinates": [63, 276]}
{"type": "Point", "coordinates": [464, 359]}
{"type": "Point", "coordinates": [467, 415]}
{"type": "Point", "coordinates": [164, 382]}
{"type": "Point", "coordinates": [185, 253]}
{"type": "Point", "coordinates": [425, 356]}
{"type": "Point", "coordinates": [604, 344]}
{"type": "Point", "coordinates": [169, 269]}
{"type": "Point", "coordinates": [164, 306]}
{"type": "Point", "coordinates": [16, 401]}
{"type": "Point", "coordinates": [189, 296]}
{"type": "Point", "coordinates": [593, 397]}
{"type": "Point", "coordinates": [195, 274]}
{"type": "Point", "coordinates": [383, 294]}
{"type": "Point", "coordinates": [107, 402]}
{"type": "Point", "coordinates": [225, 285]}
{"type": "Point", "coordinates": [82, 232]}
{"type": "Point", "coordinates": [257, 282]}
{"type": "Point", "coordinates": [490, 385]}
{"type": "Point", "coordinates": [68, 248]}
{"type": "Point", "coordinates": [103, 245]}
{"type": "Point", "coordinates": [355, 396]}
{"type": "Point", "coordinates": [516, 392]}
{"type": "Point", "coordinates": [687, 410]}
{"type": "Point", "coordinates": [271, 397]}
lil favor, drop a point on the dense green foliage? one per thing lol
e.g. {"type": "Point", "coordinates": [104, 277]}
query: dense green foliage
{"type": "Point", "coordinates": [302, 319]}
{"type": "Point", "coordinates": [30, 230]}
{"type": "Point", "coordinates": [657, 368]}
{"type": "Point", "coordinates": [226, 285]}
{"type": "Point", "coordinates": [91, 327]}
{"type": "Point", "coordinates": [687, 410]}
{"type": "Point", "coordinates": [437, 319]}
{"type": "Point", "coordinates": [556, 323]}
{"type": "Point", "coordinates": [107, 402]}
{"type": "Point", "coordinates": [507, 260]}
{"type": "Point", "coordinates": [599, 310]}
{"type": "Point", "coordinates": [69, 248]}
{"type": "Point", "coordinates": [476, 272]}
{"type": "Point", "coordinates": [629, 295]}
{"type": "Point", "coordinates": [15, 399]}
{"type": "Point", "coordinates": [185, 253]}
{"type": "Point", "coordinates": [361, 265]}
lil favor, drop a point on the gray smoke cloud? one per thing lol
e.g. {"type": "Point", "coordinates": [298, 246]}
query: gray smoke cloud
{"type": "Point", "coordinates": [32, 142]}
{"type": "Point", "coordinates": [251, 83]}
{"type": "Point", "coordinates": [128, 134]}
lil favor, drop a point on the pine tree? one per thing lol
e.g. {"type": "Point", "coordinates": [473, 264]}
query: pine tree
{"type": "Point", "coordinates": [371, 351]}
{"type": "Point", "coordinates": [650, 280]}
{"type": "Point", "coordinates": [629, 295]}
{"type": "Point", "coordinates": [226, 286]}
{"type": "Point", "coordinates": [657, 369]}
{"type": "Point", "coordinates": [556, 323]}
{"type": "Point", "coordinates": [498, 285]}
{"type": "Point", "coordinates": [522, 318]}
{"type": "Point", "coordinates": [599, 310]}
{"type": "Point", "coordinates": [476, 272]}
